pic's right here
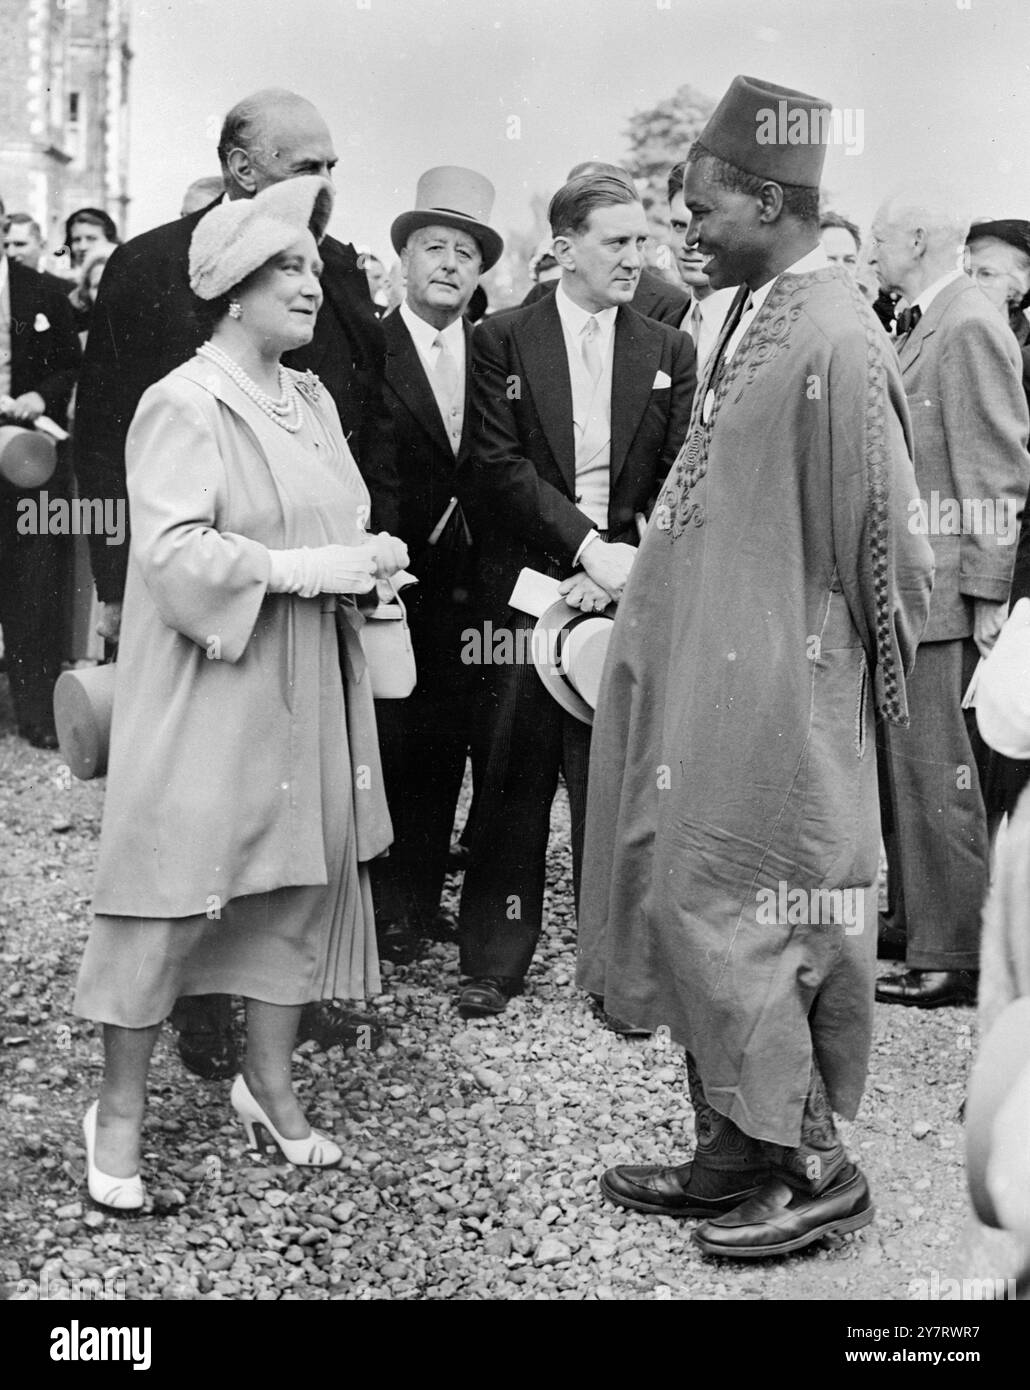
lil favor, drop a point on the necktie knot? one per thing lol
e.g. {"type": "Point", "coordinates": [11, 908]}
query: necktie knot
{"type": "Point", "coordinates": [907, 320]}
{"type": "Point", "coordinates": [591, 349]}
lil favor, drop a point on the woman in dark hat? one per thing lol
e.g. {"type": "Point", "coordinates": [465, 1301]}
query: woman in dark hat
{"type": "Point", "coordinates": [244, 793]}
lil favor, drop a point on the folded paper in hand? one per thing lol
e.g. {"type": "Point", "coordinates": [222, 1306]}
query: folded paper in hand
{"type": "Point", "coordinates": [534, 592]}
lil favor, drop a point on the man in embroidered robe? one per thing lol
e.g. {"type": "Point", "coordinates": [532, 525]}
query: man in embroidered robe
{"type": "Point", "coordinates": [777, 598]}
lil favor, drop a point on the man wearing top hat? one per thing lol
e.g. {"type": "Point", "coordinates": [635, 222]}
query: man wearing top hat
{"type": "Point", "coordinates": [961, 369]}
{"type": "Point", "coordinates": [39, 359]}
{"type": "Point", "coordinates": [579, 405]}
{"type": "Point", "coordinates": [773, 609]}
{"type": "Point", "coordinates": [445, 244]}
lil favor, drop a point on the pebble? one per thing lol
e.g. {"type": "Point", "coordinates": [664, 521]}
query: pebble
{"type": "Point", "coordinates": [551, 1251]}
{"type": "Point", "coordinates": [920, 1129]}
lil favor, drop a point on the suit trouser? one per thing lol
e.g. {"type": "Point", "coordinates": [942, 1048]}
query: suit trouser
{"type": "Point", "coordinates": [32, 579]}
{"type": "Point", "coordinates": [723, 1147]}
{"type": "Point", "coordinates": [523, 739]}
{"type": "Point", "coordinates": [423, 743]}
{"type": "Point", "coordinates": [937, 852]}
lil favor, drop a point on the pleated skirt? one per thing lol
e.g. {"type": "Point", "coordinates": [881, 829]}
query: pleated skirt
{"type": "Point", "coordinates": [290, 946]}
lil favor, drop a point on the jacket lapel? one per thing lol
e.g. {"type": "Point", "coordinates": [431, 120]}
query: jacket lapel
{"type": "Point", "coordinates": [910, 349]}
{"type": "Point", "coordinates": [407, 377]}
{"type": "Point", "coordinates": [637, 357]}
{"type": "Point", "coordinates": [542, 349]}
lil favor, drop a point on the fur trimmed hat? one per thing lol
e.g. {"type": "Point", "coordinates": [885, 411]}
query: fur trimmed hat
{"type": "Point", "coordinates": [240, 235]}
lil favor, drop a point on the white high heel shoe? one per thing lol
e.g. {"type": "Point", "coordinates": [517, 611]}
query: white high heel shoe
{"type": "Point", "coordinates": [116, 1194]}
{"type": "Point", "coordinates": [316, 1150]}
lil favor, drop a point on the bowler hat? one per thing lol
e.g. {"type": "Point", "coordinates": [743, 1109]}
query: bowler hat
{"type": "Point", "coordinates": [568, 651]}
{"type": "Point", "coordinates": [773, 132]}
{"type": "Point", "coordinates": [27, 457]}
{"type": "Point", "coordinates": [449, 196]}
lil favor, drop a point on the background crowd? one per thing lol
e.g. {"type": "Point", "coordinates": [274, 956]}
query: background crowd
{"type": "Point", "coordinates": [394, 351]}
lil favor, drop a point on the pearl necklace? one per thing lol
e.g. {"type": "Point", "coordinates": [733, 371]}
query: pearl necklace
{"type": "Point", "coordinates": [281, 410]}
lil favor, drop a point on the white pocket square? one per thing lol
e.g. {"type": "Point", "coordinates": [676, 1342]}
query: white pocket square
{"type": "Point", "coordinates": [41, 324]}
{"type": "Point", "coordinates": [661, 381]}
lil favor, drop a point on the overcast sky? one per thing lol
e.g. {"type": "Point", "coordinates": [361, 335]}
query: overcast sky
{"type": "Point", "coordinates": [941, 87]}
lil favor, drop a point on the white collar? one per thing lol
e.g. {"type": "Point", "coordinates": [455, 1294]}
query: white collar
{"type": "Point", "coordinates": [425, 335]}
{"type": "Point", "coordinates": [574, 319]}
{"type": "Point", "coordinates": [715, 305]}
{"type": "Point", "coordinates": [931, 292]}
{"type": "Point", "coordinates": [3, 272]}
{"type": "Point", "coordinates": [816, 259]}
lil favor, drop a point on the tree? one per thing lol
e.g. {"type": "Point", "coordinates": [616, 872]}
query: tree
{"type": "Point", "coordinates": [660, 138]}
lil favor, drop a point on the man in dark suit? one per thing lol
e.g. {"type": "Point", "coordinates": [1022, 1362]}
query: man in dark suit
{"type": "Point", "coordinates": [145, 323]}
{"type": "Point", "coordinates": [445, 244]}
{"type": "Point", "coordinates": [654, 297]}
{"type": "Point", "coordinates": [39, 360]}
{"type": "Point", "coordinates": [962, 373]}
{"type": "Point", "coordinates": [23, 242]}
{"type": "Point", "coordinates": [579, 407]}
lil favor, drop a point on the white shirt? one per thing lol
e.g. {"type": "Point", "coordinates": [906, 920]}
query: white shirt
{"type": "Point", "coordinates": [424, 335]}
{"type": "Point", "coordinates": [591, 404]}
{"type": "Point", "coordinates": [712, 311]}
{"type": "Point", "coordinates": [574, 321]}
{"type": "Point", "coordinates": [816, 259]}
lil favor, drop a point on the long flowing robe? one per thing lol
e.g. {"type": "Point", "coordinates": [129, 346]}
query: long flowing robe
{"type": "Point", "coordinates": [733, 757]}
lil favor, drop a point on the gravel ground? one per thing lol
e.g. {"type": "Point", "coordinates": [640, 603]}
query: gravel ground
{"type": "Point", "coordinates": [472, 1149]}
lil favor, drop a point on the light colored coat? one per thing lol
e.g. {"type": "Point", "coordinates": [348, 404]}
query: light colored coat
{"type": "Point", "coordinates": [963, 378]}
{"type": "Point", "coordinates": [214, 786]}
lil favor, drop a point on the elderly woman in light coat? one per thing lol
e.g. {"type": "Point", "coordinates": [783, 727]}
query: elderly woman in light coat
{"type": "Point", "coordinates": [244, 790]}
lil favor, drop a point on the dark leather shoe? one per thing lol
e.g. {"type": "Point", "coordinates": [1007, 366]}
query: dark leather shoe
{"type": "Point", "coordinates": [442, 927]}
{"type": "Point", "coordinates": [928, 989]}
{"type": "Point", "coordinates": [39, 735]}
{"type": "Point", "coordinates": [209, 1053]}
{"type": "Point", "coordinates": [613, 1023]}
{"type": "Point", "coordinates": [665, 1191]}
{"type": "Point", "coordinates": [458, 857]}
{"type": "Point", "coordinates": [490, 995]}
{"type": "Point", "coordinates": [397, 942]}
{"type": "Point", "coordinates": [333, 1024]}
{"type": "Point", "coordinates": [779, 1218]}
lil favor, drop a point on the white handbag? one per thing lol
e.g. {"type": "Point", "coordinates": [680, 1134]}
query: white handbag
{"type": "Point", "coordinates": [389, 655]}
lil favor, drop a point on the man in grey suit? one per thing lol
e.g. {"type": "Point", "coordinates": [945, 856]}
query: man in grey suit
{"type": "Point", "coordinates": [961, 369]}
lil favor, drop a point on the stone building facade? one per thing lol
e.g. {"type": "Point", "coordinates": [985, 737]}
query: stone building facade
{"type": "Point", "coordinates": [64, 78]}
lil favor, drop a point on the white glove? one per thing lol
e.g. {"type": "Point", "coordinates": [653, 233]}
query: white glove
{"type": "Point", "coordinates": [391, 554]}
{"type": "Point", "coordinates": [325, 569]}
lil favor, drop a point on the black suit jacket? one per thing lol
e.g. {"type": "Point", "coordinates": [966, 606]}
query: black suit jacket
{"type": "Point", "coordinates": [655, 298]}
{"type": "Point", "coordinates": [147, 321]}
{"type": "Point", "coordinates": [429, 475]}
{"type": "Point", "coordinates": [522, 494]}
{"type": "Point", "coordinates": [43, 359]}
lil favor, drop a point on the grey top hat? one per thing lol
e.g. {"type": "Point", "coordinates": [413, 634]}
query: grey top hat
{"type": "Point", "coordinates": [449, 196]}
{"type": "Point", "coordinates": [568, 651]}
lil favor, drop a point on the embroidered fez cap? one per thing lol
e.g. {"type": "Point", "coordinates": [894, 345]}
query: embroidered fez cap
{"type": "Point", "coordinates": [1008, 229]}
{"type": "Point", "coordinates": [449, 196]}
{"type": "Point", "coordinates": [773, 132]}
{"type": "Point", "coordinates": [241, 234]}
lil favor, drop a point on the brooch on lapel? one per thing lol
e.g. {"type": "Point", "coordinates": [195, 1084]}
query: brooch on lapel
{"type": "Point", "coordinates": [309, 386]}
{"type": "Point", "coordinates": [41, 323]}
